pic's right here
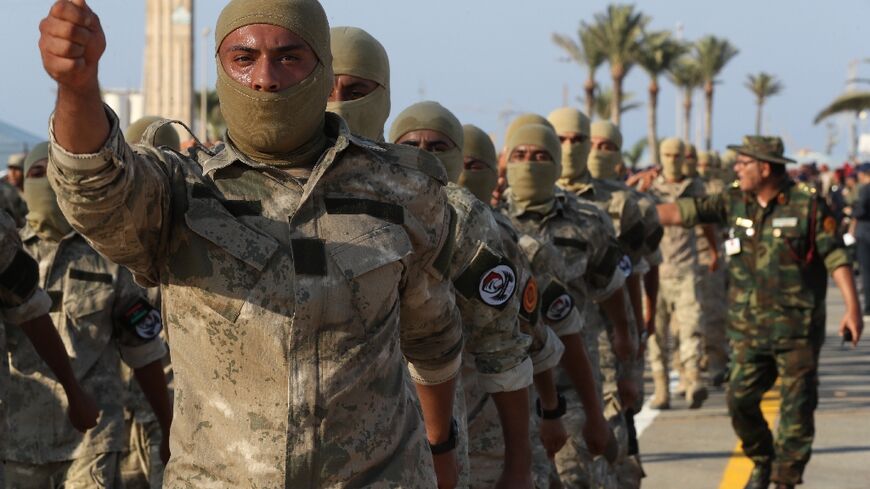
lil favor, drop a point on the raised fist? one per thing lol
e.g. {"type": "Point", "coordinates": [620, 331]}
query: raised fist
{"type": "Point", "coordinates": [71, 44]}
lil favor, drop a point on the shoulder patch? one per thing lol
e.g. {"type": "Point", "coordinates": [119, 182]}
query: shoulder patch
{"type": "Point", "coordinates": [531, 300]}
{"type": "Point", "coordinates": [490, 278]}
{"type": "Point", "coordinates": [143, 320]}
{"type": "Point", "coordinates": [556, 302]}
{"type": "Point", "coordinates": [625, 266]}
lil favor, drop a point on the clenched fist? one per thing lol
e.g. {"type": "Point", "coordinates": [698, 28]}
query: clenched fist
{"type": "Point", "coordinates": [71, 44]}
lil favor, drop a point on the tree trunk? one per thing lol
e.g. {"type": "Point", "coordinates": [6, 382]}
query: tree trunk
{"type": "Point", "coordinates": [687, 114]}
{"type": "Point", "coordinates": [758, 116]}
{"type": "Point", "coordinates": [652, 121]}
{"type": "Point", "coordinates": [618, 74]}
{"type": "Point", "coordinates": [589, 87]}
{"type": "Point", "coordinates": [708, 116]}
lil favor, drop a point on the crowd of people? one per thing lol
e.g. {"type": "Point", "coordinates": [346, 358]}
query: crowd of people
{"type": "Point", "coordinates": [350, 306]}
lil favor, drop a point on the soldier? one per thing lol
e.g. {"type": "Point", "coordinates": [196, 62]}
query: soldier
{"type": "Point", "coordinates": [678, 309]}
{"type": "Point", "coordinates": [99, 313]}
{"type": "Point", "coordinates": [714, 297]}
{"type": "Point", "coordinates": [298, 264]}
{"type": "Point", "coordinates": [14, 175]}
{"type": "Point", "coordinates": [591, 257]}
{"type": "Point", "coordinates": [690, 161]}
{"type": "Point", "coordinates": [10, 192]}
{"type": "Point", "coordinates": [520, 121]}
{"type": "Point", "coordinates": [783, 240]}
{"type": "Point", "coordinates": [24, 305]}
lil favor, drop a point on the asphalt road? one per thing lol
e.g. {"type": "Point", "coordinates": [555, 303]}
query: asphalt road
{"type": "Point", "coordinates": [698, 449]}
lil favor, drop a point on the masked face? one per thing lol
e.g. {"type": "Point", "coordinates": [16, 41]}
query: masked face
{"type": "Point", "coordinates": [439, 145]}
{"type": "Point", "coordinates": [671, 156]}
{"type": "Point", "coordinates": [604, 159]}
{"type": "Point", "coordinates": [44, 215]}
{"type": "Point", "coordinates": [575, 154]}
{"type": "Point", "coordinates": [363, 104]}
{"type": "Point", "coordinates": [532, 175]}
{"type": "Point", "coordinates": [479, 178]}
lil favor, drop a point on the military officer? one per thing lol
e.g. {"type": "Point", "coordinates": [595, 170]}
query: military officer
{"type": "Point", "coordinates": [298, 264]}
{"type": "Point", "coordinates": [783, 242]}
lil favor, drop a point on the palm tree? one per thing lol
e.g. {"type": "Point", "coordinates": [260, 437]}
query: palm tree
{"type": "Point", "coordinates": [713, 54]}
{"type": "Point", "coordinates": [686, 75]}
{"type": "Point", "coordinates": [603, 103]}
{"type": "Point", "coordinates": [763, 85]}
{"type": "Point", "coordinates": [618, 32]}
{"type": "Point", "coordinates": [659, 51]}
{"type": "Point", "coordinates": [585, 53]}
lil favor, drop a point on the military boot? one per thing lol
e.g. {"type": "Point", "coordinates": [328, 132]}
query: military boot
{"type": "Point", "coordinates": [696, 391]}
{"type": "Point", "coordinates": [662, 396]}
{"type": "Point", "coordinates": [760, 478]}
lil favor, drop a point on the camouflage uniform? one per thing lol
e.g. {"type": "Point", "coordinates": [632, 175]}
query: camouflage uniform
{"type": "Point", "coordinates": [488, 294]}
{"type": "Point", "coordinates": [486, 441]}
{"type": "Point", "coordinates": [291, 297]}
{"type": "Point", "coordinates": [21, 300]}
{"type": "Point", "coordinates": [678, 310]}
{"type": "Point", "coordinates": [776, 313]}
{"type": "Point", "coordinates": [11, 202]}
{"type": "Point", "coordinates": [591, 256]}
{"type": "Point", "coordinates": [99, 312]}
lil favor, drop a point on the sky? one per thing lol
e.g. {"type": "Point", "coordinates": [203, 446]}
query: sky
{"type": "Point", "coordinates": [484, 59]}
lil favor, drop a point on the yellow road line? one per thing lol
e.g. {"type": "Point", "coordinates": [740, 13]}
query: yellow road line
{"type": "Point", "coordinates": [740, 467]}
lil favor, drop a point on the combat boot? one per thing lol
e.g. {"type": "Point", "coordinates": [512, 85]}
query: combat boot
{"type": "Point", "coordinates": [696, 392]}
{"type": "Point", "coordinates": [760, 478]}
{"type": "Point", "coordinates": [662, 396]}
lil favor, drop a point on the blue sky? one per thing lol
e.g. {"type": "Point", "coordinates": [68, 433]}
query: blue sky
{"type": "Point", "coordinates": [481, 58]}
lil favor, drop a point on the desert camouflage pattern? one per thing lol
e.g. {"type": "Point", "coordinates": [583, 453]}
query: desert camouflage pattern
{"type": "Point", "coordinates": [98, 471]}
{"type": "Point", "coordinates": [283, 291]}
{"type": "Point", "coordinates": [679, 246]}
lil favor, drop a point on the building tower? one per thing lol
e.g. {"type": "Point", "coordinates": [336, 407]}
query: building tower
{"type": "Point", "coordinates": [168, 84]}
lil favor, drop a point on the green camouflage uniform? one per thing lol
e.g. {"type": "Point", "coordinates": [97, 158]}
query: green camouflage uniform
{"type": "Point", "coordinates": [291, 298]}
{"type": "Point", "coordinates": [776, 313]}
{"type": "Point", "coordinates": [102, 318]}
{"type": "Point", "coordinates": [714, 296]}
{"type": "Point", "coordinates": [678, 312]}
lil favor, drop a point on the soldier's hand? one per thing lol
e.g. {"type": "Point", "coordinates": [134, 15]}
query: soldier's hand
{"type": "Point", "coordinates": [597, 434]}
{"type": "Point", "coordinates": [553, 436]}
{"type": "Point", "coordinates": [623, 346]}
{"type": "Point", "coordinates": [854, 324]}
{"type": "Point", "coordinates": [714, 262]}
{"type": "Point", "coordinates": [628, 394]}
{"type": "Point", "coordinates": [71, 43]}
{"type": "Point", "coordinates": [82, 412]}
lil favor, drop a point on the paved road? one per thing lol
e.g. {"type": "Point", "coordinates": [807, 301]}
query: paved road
{"type": "Point", "coordinates": [698, 449]}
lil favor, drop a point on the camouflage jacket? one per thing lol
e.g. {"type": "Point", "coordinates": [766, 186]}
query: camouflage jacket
{"type": "Point", "coordinates": [777, 261]}
{"type": "Point", "coordinates": [679, 246]}
{"type": "Point", "coordinates": [290, 303]}
{"type": "Point", "coordinates": [102, 317]}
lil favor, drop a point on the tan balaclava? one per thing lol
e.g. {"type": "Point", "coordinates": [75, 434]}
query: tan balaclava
{"type": "Point", "coordinates": [574, 155]}
{"type": "Point", "coordinates": [43, 214]}
{"type": "Point", "coordinates": [166, 135]}
{"type": "Point", "coordinates": [284, 127]}
{"type": "Point", "coordinates": [672, 166]}
{"type": "Point", "coordinates": [356, 53]}
{"type": "Point", "coordinates": [533, 184]}
{"type": "Point", "coordinates": [16, 160]}
{"type": "Point", "coordinates": [690, 162]}
{"type": "Point", "coordinates": [603, 164]}
{"type": "Point", "coordinates": [706, 164]}
{"type": "Point", "coordinates": [434, 117]}
{"type": "Point", "coordinates": [479, 146]}
{"type": "Point", "coordinates": [524, 120]}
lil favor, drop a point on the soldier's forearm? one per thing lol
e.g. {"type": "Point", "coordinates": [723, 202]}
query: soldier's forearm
{"type": "Point", "coordinates": [651, 291]}
{"type": "Point", "coordinates": [152, 380]}
{"type": "Point", "coordinates": [636, 295]}
{"type": "Point", "coordinates": [80, 122]}
{"type": "Point", "coordinates": [669, 214]}
{"type": "Point", "coordinates": [513, 412]}
{"type": "Point", "coordinates": [545, 385]}
{"type": "Point", "coordinates": [576, 363]}
{"type": "Point", "coordinates": [437, 404]}
{"type": "Point", "coordinates": [846, 283]}
{"type": "Point", "coordinates": [49, 346]}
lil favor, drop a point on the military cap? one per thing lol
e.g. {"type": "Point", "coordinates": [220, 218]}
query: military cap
{"type": "Point", "coordinates": [765, 148]}
{"type": "Point", "coordinates": [16, 160]}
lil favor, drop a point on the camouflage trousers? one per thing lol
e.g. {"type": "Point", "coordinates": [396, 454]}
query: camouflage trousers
{"type": "Point", "coordinates": [141, 467]}
{"type": "Point", "coordinates": [678, 314]}
{"type": "Point", "coordinates": [92, 472]}
{"type": "Point", "coordinates": [753, 372]}
{"type": "Point", "coordinates": [577, 467]}
{"type": "Point", "coordinates": [714, 319]}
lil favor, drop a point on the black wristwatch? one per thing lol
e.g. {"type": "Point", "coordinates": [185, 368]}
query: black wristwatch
{"type": "Point", "coordinates": [450, 444]}
{"type": "Point", "coordinates": [553, 413]}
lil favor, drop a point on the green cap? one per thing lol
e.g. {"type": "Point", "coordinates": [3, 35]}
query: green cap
{"type": "Point", "coordinates": [765, 148]}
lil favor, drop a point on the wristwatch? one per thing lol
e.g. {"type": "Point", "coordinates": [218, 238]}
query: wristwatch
{"type": "Point", "coordinates": [553, 413]}
{"type": "Point", "coordinates": [450, 444]}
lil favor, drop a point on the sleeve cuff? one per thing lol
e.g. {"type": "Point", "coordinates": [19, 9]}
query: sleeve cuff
{"type": "Point", "coordinates": [836, 259]}
{"type": "Point", "coordinates": [550, 355]}
{"type": "Point", "coordinates": [572, 324]}
{"type": "Point", "coordinates": [39, 304]}
{"type": "Point", "coordinates": [655, 259]}
{"type": "Point", "coordinates": [91, 161]}
{"type": "Point", "coordinates": [427, 376]}
{"type": "Point", "coordinates": [616, 281]}
{"type": "Point", "coordinates": [514, 379]}
{"type": "Point", "coordinates": [141, 355]}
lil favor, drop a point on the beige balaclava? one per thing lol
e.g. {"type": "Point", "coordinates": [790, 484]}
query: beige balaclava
{"type": "Point", "coordinates": [672, 166]}
{"type": "Point", "coordinates": [524, 120]}
{"type": "Point", "coordinates": [604, 164]}
{"type": "Point", "coordinates": [574, 155]}
{"type": "Point", "coordinates": [284, 127]}
{"type": "Point", "coordinates": [166, 135]}
{"type": "Point", "coordinates": [356, 53]}
{"type": "Point", "coordinates": [690, 162]}
{"type": "Point", "coordinates": [533, 183]}
{"type": "Point", "coordinates": [707, 164]}
{"type": "Point", "coordinates": [479, 146]}
{"type": "Point", "coordinates": [434, 117]}
{"type": "Point", "coordinates": [44, 214]}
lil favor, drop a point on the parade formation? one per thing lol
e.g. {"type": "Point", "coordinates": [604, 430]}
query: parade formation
{"type": "Point", "coordinates": [352, 305]}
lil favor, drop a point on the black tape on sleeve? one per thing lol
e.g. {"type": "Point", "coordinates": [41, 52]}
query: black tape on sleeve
{"type": "Point", "coordinates": [571, 243]}
{"type": "Point", "coordinates": [607, 266]}
{"type": "Point", "coordinates": [655, 238]}
{"type": "Point", "coordinates": [309, 257]}
{"type": "Point", "coordinates": [84, 276]}
{"type": "Point", "coordinates": [632, 239]}
{"type": "Point", "coordinates": [382, 210]}
{"type": "Point", "coordinates": [21, 276]}
{"type": "Point", "coordinates": [556, 302]}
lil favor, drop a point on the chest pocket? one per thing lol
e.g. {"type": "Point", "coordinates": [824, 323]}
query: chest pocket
{"type": "Point", "coordinates": [791, 248]}
{"type": "Point", "coordinates": [224, 259]}
{"type": "Point", "coordinates": [88, 302]}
